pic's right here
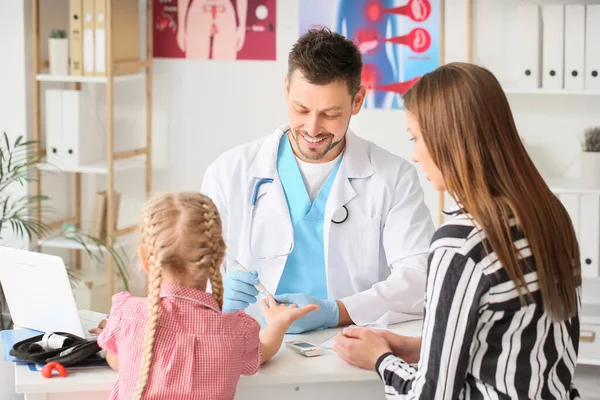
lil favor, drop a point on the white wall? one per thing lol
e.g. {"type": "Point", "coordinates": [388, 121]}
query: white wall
{"type": "Point", "coordinates": [13, 120]}
{"type": "Point", "coordinates": [207, 107]}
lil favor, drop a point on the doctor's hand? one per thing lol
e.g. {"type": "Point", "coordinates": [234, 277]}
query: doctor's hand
{"type": "Point", "coordinates": [239, 290]}
{"type": "Point", "coordinates": [360, 347]}
{"type": "Point", "coordinates": [327, 316]}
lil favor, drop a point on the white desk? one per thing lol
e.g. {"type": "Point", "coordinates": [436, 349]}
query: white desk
{"type": "Point", "coordinates": [287, 376]}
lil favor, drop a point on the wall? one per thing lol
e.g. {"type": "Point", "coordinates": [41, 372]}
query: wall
{"type": "Point", "coordinates": [207, 107]}
{"type": "Point", "coordinates": [13, 121]}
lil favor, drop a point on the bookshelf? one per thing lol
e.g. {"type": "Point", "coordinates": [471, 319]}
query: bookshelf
{"type": "Point", "coordinates": [117, 70]}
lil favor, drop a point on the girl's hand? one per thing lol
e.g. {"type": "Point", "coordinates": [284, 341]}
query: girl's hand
{"type": "Point", "coordinates": [360, 347]}
{"type": "Point", "coordinates": [284, 315]}
{"type": "Point", "coordinates": [100, 328]}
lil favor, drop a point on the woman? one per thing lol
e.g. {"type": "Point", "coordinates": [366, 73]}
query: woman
{"type": "Point", "coordinates": [503, 287]}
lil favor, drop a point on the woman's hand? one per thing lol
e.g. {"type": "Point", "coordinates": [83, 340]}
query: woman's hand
{"type": "Point", "coordinates": [406, 347]}
{"type": "Point", "coordinates": [361, 347]}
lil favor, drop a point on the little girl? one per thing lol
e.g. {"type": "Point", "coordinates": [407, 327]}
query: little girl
{"type": "Point", "coordinates": [176, 344]}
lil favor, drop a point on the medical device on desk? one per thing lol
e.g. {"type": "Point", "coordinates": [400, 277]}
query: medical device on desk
{"type": "Point", "coordinates": [304, 348]}
{"type": "Point", "coordinates": [336, 219]}
{"type": "Point", "coordinates": [260, 287]}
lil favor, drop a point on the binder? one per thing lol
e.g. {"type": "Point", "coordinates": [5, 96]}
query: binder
{"type": "Point", "coordinates": [54, 128]}
{"type": "Point", "coordinates": [571, 203]}
{"type": "Point", "coordinates": [99, 218]}
{"type": "Point", "coordinates": [574, 46]}
{"type": "Point", "coordinates": [125, 35]}
{"type": "Point", "coordinates": [82, 138]}
{"type": "Point", "coordinates": [88, 37]}
{"type": "Point", "coordinates": [98, 215]}
{"type": "Point", "coordinates": [75, 37]}
{"type": "Point", "coordinates": [589, 238]}
{"type": "Point", "coordinates": [530, 35]}
{"type": "Point", "coordinates": [9, 337]}
{"type": "Point", "coordinates": [592, 47]}
{"type": "Point", "coordinates": [100, 37]}
{"type": "Point", "coordinates": [553, 23]}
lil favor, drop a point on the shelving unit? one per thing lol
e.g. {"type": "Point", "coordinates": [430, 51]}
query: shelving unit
{"type": "Point", "coordinates": [135, 159]}
{"type": "Point", "coordinates": [557, 92]}
{"type": "Point", "coordinates": [87, 79]}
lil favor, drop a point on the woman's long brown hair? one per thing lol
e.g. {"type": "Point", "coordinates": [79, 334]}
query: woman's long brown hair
{"type": "Point", "coordinates": [469, 130]}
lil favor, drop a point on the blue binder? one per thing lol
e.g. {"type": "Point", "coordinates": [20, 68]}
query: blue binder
{"type": "Point", "coordinates": [11, 336]}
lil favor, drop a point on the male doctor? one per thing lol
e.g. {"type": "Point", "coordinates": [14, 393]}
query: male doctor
{"type": "Point", "coordinates": [317, 214]}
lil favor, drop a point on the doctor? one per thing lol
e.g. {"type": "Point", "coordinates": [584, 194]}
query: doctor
{"type": "Point", "coordinates": [317, 214]}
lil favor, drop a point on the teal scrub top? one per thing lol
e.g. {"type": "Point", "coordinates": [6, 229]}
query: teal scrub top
{"type": "Point", "coordinates": [304, 271]}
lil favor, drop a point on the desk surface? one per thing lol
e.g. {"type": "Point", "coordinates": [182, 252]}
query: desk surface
{"type": "Point", "coordinates": [286, 367]}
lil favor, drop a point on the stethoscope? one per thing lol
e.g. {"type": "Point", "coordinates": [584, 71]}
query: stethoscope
{"type": "Point", "coordinates": [253, 202]}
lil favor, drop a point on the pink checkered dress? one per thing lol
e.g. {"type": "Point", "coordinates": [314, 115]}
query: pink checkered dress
{"type": "Point", "coordinates": [199, 353]}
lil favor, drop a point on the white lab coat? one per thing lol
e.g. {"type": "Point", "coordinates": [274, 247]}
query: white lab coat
{"type": "Point", "coordinates": [375, 261]}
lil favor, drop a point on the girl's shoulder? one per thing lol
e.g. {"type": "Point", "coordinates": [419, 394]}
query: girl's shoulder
{"type": "Point", "coordinates": [244, 321]}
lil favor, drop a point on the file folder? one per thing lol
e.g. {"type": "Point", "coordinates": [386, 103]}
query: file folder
{"type": "Point", "coordinates": [553, 23]}
{"type": "Point", "coordinates": [574, 46]}
{"type": "Point", "coordinates": [83, 141]}
{"type": "Point", "coordinates": [125, 35]}
{"type": "Point", "coordinates": [75, 37]}
{"type": "Point", "coordinates": [88, 37]}
{"type": "Point", "coordinates": [54, 128]}
{"type": "Point", "coordinates": [100, 37]}
{"type": "Point", "coordinates": [530, 46]}
{"type": "Point", "coordinates": [592, 47]}
{"type": "Point", "coordinates": [589, 238]}
{"type": "Point", "coordinates": [9, 337]}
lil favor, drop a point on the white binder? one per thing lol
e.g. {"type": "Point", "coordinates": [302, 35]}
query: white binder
{"type": "Point", "coordinates": [530, 35]}
{"type": "Point", "coordinates": [574, 46]}
{"type": "Point", "coordinates": [571, 203]}
{"type": "Point", "coordinates": [82, 141]}
{"type": "Point", "coordinates": [553, 23]}
{"type": "Point", "coordinates": [592, 47]}
{"type": "Point", "coordinates": [589, 238]}
{"type": "Point", "coordinates": [53, 124]}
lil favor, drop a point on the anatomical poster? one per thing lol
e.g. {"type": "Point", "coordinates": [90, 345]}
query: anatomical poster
{"type": "Point", "coordinates": [399, 40]}
{"type": "Point", "coordinates": [215, 29]}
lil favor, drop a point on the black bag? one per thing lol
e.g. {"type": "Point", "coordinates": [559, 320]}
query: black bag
{"type": "Point", "coordinates": [61, 347]}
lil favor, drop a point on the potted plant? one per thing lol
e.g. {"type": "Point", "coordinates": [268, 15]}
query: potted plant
{"type": "Point", "coordinates": [58, 52]}
{"type": "Point", "coordinates": [590, 158]}
{"type": "Point", "coordinates": [18, 162]}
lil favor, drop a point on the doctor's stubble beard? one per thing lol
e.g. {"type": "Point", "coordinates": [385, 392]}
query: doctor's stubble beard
{"type": "Point", "coordinates": [314, 156]}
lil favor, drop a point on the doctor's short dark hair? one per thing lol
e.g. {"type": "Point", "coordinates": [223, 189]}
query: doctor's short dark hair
{"type": "Point", "coordinates": [324, 57]}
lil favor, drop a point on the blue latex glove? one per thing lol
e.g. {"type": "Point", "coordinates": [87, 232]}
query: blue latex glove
{"type": "Point", "coordinates": [239, 290]}
{"type": "Point", "coordinates": [327, 316]}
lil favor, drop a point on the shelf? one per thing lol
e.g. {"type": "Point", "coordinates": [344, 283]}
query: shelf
{"type": "Point", "coordinates": [588, 361]}
{"type": "Point", "coordinates": [87, 79]}
{"type": "Point", "coordinates": [64, 243]}
{"type": "Point", "coordinates": [100, 167]}
{"type": "Point", "coordinates": [552, 92]}
{"type": "Point", "coordinates": [570, 185]}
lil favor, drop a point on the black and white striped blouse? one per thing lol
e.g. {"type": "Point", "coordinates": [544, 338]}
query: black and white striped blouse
{"type": "Point", "coordinates": [478, 341]}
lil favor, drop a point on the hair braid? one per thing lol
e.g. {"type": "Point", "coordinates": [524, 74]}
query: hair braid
{"type": "Point", "coordinates": [155, 278]}
{"type": "Point", "coordinates": [182, 235]}
{"type": "Point", "coordinates": [214, 241]}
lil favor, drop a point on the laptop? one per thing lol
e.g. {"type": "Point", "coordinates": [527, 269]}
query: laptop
{"type": "Point", "coordinates": [39, 295]}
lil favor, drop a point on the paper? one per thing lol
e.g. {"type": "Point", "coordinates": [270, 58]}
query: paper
{"type": "Point", "coordinates": [328, 343]}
